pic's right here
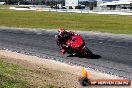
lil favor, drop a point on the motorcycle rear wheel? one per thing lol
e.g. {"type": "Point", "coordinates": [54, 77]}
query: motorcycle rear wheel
{"type": "Point", "coordinates": [87, 52]}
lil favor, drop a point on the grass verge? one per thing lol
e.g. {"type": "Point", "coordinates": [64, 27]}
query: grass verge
{"type": "Point", "coordinates": [15, 76]}
{"type": "Point", "coordinates": [73, 21]}
{"type": "Point", "coordinates": [9, 76]}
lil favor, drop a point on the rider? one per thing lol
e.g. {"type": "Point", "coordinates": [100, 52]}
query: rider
{"type": "Point", "coordinates": [63, 36]}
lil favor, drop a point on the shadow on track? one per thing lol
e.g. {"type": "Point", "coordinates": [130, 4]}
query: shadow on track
{"type": "Point", "coordinates": [92, 56]}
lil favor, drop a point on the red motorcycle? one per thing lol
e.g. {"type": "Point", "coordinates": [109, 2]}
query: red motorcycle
{"type": "Point", "coordinates": [74, 45]}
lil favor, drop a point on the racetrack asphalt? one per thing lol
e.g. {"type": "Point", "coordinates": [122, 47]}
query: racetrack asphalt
{"type": "Point", "coordinates": [115, 52]}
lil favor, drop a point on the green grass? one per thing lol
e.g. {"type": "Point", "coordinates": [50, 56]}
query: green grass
{"type": "Point", "coordinates": [9, 76]}
{"type": "Point", "coordinates": [15, 76]}
{"type": "Point", "coordinates": [73, 21]}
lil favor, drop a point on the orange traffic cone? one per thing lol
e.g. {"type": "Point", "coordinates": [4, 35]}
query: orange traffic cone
{"type": "Point", "coordinates": [84, 73]}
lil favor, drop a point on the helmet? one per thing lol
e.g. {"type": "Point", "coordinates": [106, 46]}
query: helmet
{"type": "Point", "coordinates": [61, 31]}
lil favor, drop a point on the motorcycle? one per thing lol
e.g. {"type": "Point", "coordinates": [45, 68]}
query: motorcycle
{"type": "Point", "coordinates": [74, 45]}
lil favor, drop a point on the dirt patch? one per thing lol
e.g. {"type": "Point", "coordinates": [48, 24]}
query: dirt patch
{"type": "Point", "coordinates": [49, 72]}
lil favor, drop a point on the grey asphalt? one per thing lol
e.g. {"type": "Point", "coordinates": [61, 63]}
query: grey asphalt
{"type": "Point", "coordinates": [115, 52]}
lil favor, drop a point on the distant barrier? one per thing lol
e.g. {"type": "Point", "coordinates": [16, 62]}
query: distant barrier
{"type": "Point", "coordinates": [111, 12]}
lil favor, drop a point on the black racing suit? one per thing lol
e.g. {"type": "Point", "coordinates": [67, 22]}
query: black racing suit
{"type": "Point", "coordinates": [63, 38]}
